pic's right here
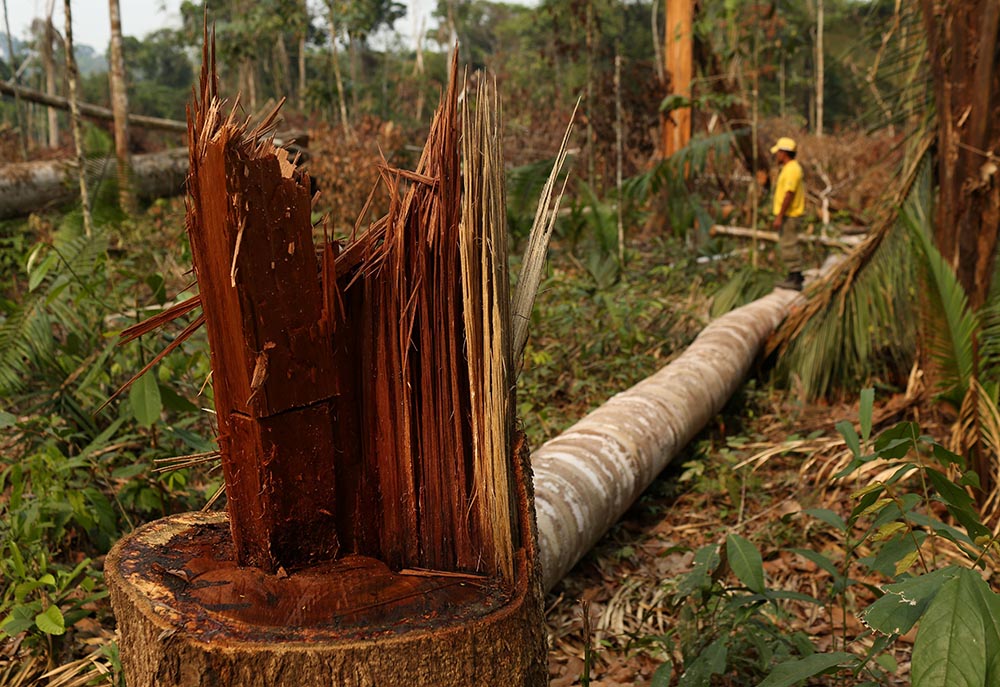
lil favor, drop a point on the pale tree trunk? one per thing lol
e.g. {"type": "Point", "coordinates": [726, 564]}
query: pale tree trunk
{"type": "Point", "coordinates": [72, 77]}
{"type": "Point", "coordinates": [819, 68]}
{"type": "Point", "coordinates": [284, 65]}
{"type": "Point", "coordinates": [119, 106]}
{"type": "Point", "coordinates": [678, 53]}
{"type": "Point", "coordinates": [587, 477]}
{"type": "Point", "coordinates": [341, 99]}
{"type": "Point", "coordinates": [302, 59]}
{"type": "Point", "coordinates": [51, 80]}
{"type": "Point", "coordinates": [18, 113]}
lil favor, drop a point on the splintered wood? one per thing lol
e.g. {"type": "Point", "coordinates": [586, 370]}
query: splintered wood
{"type": "Point", "coordinates": [362, 390]}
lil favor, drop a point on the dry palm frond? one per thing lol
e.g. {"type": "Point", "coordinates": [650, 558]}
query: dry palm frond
{"type": "Point", "coordinates": [533, 262]}
{"type": "Point", "coordinates": [486, 311]}
{"type": "Point", "coordinates": [156, 321]}
{"type": "Point", "coordinates": [188, 461]}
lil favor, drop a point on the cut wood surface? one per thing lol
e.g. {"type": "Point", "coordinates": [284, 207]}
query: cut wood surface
{"type": "Point", "coordinates": [587, 477]}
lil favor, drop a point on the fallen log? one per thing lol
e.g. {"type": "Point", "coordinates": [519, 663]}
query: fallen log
{"type": "Point", "coordinates": [92, 111]}
{"type": "Point", "coordinates": [844, 243]}
{"type": "Point", "coordinates": [27, 187]}
{"type": "Point", "coordinates": [587, 477]}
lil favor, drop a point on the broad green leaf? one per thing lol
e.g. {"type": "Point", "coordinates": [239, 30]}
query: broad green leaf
{"type": "Point", "coordinates": [906, 562]}
{"type": "Point", "coordinates": [37, 274]}
{"type": "Point", "coordinates": [51, 621]}
{"type": "Point", "coordinates": [711, 661]}
{"type": "Point", "coordinates": [950, 650]}
{"type": "Point", "coordinates": [144, 397]}
{"type": "Point", "coordinates": [7, 419]}
{"type": "Point", "coordinates": [745, 560]}
{"type": "Point", "coordinates": [989, 604]}
{"type": "Point", "coordinates": [959, 503]}
{"type": "Point", "coordinates": [829, 517]}
{"type": "Point", "coordinates": [847, 431]}
{"type": "Point", "coordinates": [904, 603]}
{"type": "Point", "coordinates": [661, 676]}
{"type": "Point", "coordinates": [20, 619]}
{"type": "Point", "coordinates": [865, 412]}
{"type": "Point", "coordinates": [792, 672]}
{"type": "Point", "coordinates": [706, 559]}
{"type": "Point", "coordinates": [886, 531]}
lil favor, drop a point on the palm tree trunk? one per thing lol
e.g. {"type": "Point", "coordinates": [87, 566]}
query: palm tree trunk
{"type": "Point", "coordinates": [587, 477]}
{"type": "Point", "coordinates": [72, 77]}
{"type": "Point", "coordinates": [119, 106]}
{"type": "Point", "coordinates": [51, 88]}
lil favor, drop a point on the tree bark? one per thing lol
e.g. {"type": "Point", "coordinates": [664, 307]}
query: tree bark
{"type": "Point", "coordinates": [678, 52]}
{"type": "Point", "coordinates": [819, 67]}
{"type": "Point", "coordinates": [18, 113]}
{"type": "Point", "coordinates": [51, 88]}
{"type": "Point", "coordinates": [587, 477]}
{"type": "Point", "coordinates": [72, 77]}
{"type": "Point", "coordinates": [338, 78]}
{"type": "Point", "coordinates": [27, 187]}
{"type": "Point", "coordinates": [119, 107]}
{"type": "Point", "coordinates": [963, 53]}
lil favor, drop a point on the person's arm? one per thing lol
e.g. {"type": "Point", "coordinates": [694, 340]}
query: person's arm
{"type": "Point", "coordinates": [785, 203]}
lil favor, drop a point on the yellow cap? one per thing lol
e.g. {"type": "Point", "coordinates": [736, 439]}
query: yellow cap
{"type": "Point", "coordinates": [784, 143]}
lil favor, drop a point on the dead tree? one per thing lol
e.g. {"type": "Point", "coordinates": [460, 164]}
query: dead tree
{"type": "Point", "coordinates": [380, 525]}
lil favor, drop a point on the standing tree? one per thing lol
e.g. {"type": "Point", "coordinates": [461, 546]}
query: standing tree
{"type": "Point", "coordinates": [73, 77]}
{"type": "Point", "coordinates": [119, 105]}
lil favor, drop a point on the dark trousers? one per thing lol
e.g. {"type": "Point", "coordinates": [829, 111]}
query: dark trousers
{"type": "Point", "coordinates": [788, 244]}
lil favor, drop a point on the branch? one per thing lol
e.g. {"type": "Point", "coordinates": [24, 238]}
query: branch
{"type": "Point", "coordinates": [846, 243]}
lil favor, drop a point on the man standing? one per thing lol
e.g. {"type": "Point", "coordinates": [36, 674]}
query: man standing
{"type": "Point", "coordinates": [789, 206]}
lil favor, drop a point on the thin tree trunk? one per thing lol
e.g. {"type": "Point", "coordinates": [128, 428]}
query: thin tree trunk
{"type": "Point", "coordinates": [302, 71]}
{"type": "Point", "coordinates": [72, 77]}
{"type": "Point", "coordinates": [819, 68]}
{"type": "Point", "coordinates": [590, 92]}
{"type": "Point", "coordinates": [619, 153]}
{"type": "Point", "coordinates": [51, 85]}
{"type": "Point", "coordinates": [335, 58]}
{"type": "Point", "coordinates": [119, 106]}
{"type": "Point", "coordinates": [284, 66]}
{"type": "Point", "coordinates": [18, 114]}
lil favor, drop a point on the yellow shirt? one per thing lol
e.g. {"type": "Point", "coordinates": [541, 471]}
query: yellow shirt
{"type": "Point", "coordinates": [790, 180]}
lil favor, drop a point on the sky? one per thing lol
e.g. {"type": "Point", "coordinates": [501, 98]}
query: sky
{"type": "Point", "coordinates": [92, 25]}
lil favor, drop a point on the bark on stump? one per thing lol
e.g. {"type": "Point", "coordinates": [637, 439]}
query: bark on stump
{"type": "Point", "coordinates": [190, 617]}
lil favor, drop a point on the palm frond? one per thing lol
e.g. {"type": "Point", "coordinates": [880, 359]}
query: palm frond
{"type": "Point", "coordinates": [950, 326]}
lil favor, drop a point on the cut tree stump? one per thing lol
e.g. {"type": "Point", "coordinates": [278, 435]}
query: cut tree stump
{"type": "Point", "coordinates": [188, 615]}
{"type": "Point", "coordinates": [380, 521]}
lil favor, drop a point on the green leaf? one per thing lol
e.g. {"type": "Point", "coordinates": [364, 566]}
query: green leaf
{"type": "Point", "coordinates": [829, 517]}
{"type": "Point", "coordinates": [51, 621]}
{"type": "Point", "coordinates": [865, 412]}
{"type": "Point", "coordinates": [847, 431]}
{"type": "Point", "coordinates": [820, 560]}
{"type": "Point", "coordinates": [7, 419]}
{"type": "Point", "coordinates": [745, 560]}
{"type": "Point", "coordinates": [904, 603]}
{"type": "Point", "coordinates": [662, 675]}
{"type": "Point", "coordinates": [950, 650]}
{"type": "Point", "coordinates": [989, 604]}
{"type": "Point", "coordinates": [20, 619]}
{"type": "Point", "coordinates": [792, 672]}
{"type": "Point", "coordinates": [144, 397]}
{"type": "Point", "coordinates": [711, 661]}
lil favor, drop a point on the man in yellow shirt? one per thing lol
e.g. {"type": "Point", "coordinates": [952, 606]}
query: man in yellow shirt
{"type": "Point", "coordinates": [789, 206]}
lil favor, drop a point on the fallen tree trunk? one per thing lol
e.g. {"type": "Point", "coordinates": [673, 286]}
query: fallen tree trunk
{"type": "Point", "coordinates": [847, 243]}
{"type": "Point", "coordinates": [26, 187]}
{"type": "Point", "coordinates": [587, 477]}
{"type": "Point", "coordinates": [93, 111]}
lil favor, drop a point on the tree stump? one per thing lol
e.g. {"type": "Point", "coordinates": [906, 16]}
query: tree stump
{"type": "Point", "coordinates": [380, 525]}
{"type": "Point", "coordinates": [189, 616]}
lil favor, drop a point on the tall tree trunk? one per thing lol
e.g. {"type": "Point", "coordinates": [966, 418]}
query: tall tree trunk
{"type": "Point", "coordinates": [819, 68]}
{"type": "Point", "coordinates": [338, 78]}
{"type": "Point", "coordinates": [302, 70]}
{"type": "Point", "coordinates": [72, 76]}
{"type": "Point", "coordinates": [119, 106]}
{"type": "Point", "coordinates": [678, 52]}
{"type": "Point", "coordinates": [284, 66]}
{"type": "Point", "coordinates": [963, 53]}
{"type": "Point", "coordinates": [51, 81]}
{"type": "Point", "coordinates": [18, 113]}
